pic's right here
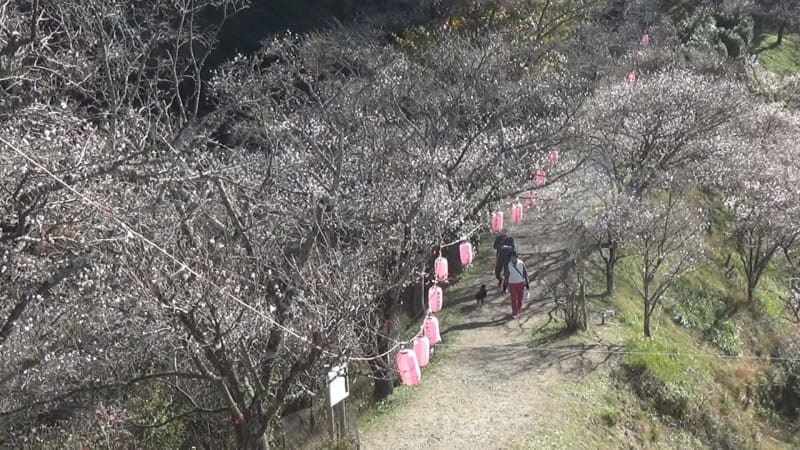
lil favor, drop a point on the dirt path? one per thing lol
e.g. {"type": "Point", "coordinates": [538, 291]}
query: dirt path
{"type": "Point", "coordinates": [490, 390]}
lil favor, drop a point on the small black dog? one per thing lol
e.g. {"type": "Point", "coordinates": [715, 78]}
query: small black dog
{"type": "Point", "coordinates": [481, 295]}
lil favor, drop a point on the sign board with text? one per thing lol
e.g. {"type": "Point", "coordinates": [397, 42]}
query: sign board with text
{"type": "Point", "coordinates": [338, 384]}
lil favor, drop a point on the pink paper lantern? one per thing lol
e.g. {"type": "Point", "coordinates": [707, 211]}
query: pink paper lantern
{"type": "Point", "coordinates": [422, 348]}
{"type": "Point", "coordinates": [435, 298]}
{"type": "Point", "coordinates": [541, 177]}
{"type": "Point", "coordinates": [516, 213]}
{"type": "Point", "coordinates": [496, 222]}
{"type": "Point", "coordinates": [465, 252]}
{"type": "Point", "coordinates": [431, 330]}
{"type": "Point", "coordinates": [530, 198]}
{"type": "Point", "coordinates": [408, 366]}
{"type": "Point", "coordinates": [553, 158]}
{"type": "Point", "coordinates": [645, 39]}
{"type": "Point", "coordinates": [631, 77]}
{"type": "Point", "coordinates": [440, 269]}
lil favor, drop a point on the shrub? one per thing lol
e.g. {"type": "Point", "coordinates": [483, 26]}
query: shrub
{"type": "Point", "coordinates": [744, 381]}
{"type": "Point", "coordinates": [695, 308]}
{"type": "Point", "coordinates": [725, 335]}
{"type": "Point", "coordinates": [729, 33]}
{"type": "Point", "coordinates": [725, 434]}
{"type": "Point", "coordinates": [610, 416]}
{"type": "Point", "coordinates": [779, 386]}
{"type": "Point", "coordinates": [700, 308]}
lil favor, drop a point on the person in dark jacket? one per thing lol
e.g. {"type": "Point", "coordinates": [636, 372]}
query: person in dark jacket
{"type": "Point", "coordinates": [504, 245]}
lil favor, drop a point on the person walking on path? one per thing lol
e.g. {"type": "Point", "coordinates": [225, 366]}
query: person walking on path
{"type": "Point", "coordinates": [504, 244]}
{"type": "Point", "coordinates": [517, 281]}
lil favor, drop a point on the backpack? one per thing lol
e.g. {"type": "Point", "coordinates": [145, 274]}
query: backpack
{"type": "Point", "coordinates": [504, 253]}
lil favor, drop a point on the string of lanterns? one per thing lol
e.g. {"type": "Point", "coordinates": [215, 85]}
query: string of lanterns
{"type": "Point", "coordinates": [410, 361]}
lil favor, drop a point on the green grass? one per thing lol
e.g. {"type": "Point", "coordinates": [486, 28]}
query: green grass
{"type": "Point", "coordinates": [610, 415]}
{"type": "Point", "coordinates": [379, 411]}
{"type": "Point", "coordinates": [678, 374]}
{"type": "Point", "coordinates": [597, 411]}
{"type": "Point", "coordinates": [772, 289]}
{"type": "Point", "coordinates": [782, 60]}
{"type": "Point", "coordinates": [660, 358]}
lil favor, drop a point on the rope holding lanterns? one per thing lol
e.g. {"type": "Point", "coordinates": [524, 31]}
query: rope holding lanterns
{"type": "Point", "coordinates": [409, 362]}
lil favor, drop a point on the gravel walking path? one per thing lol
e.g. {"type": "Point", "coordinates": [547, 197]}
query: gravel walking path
{"type": "Point", "coordinates": [490, 390]}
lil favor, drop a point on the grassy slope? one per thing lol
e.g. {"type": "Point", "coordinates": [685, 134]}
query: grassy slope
{"type": "Point", "coordinates": [693, 395]}
{"type": "Point", "coordinates": [782, 60]}
{"type": "Point", "coordinates": [598, 409]}
{"type": "Point", "coordinates": [694, 384]}
{"type": "Point", "coordinates": [696, 389]}
{"type": "Point", "coordinates": [687, 400]}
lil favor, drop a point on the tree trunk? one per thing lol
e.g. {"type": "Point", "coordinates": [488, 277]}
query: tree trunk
{"type": "Point", "coordinates": [582, 298]}
{"type": "Point", "coordinates": [249, 439]}
{"type": "Point", "coordinates": [611, 282]}
{"type": "Point", "coordinates": [384, 385]}
{"type": "Point", "coordinates": [781, 30]}
{"type": "Point", "coordinates": [384, 382]}
{"type": "Point", "coordinates": [647, 309]}
{"type": "Point", "coordinates": [258, 443]}
{"type": "Point", "coordinates": [751, 291]}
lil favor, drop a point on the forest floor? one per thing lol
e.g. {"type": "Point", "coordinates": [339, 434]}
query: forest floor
{"type": "Point", "coordinates": [502, 383]}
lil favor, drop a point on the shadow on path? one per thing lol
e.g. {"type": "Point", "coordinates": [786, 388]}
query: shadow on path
{"type": "Point", "coordinates": [515, 360]}
{"type": "Point", "coordinates": [473, 325]}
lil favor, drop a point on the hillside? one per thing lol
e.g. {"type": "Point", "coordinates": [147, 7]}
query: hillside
{"type": "Point", "coordinates": [707, 380]}
{"type": "Point", "coordinates": [503, 383]}
{"type": "Point", "coordinates": [499, 382]}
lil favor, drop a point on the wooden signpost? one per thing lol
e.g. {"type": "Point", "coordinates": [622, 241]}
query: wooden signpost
{"type": "Point", "coordinates": [338, 390]}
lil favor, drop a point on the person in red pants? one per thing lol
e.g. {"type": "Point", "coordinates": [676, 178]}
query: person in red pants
{"type": "Point", "coordinates": [517, 281]}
